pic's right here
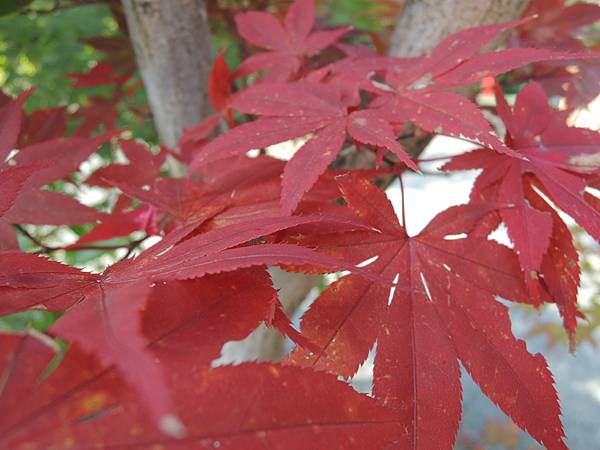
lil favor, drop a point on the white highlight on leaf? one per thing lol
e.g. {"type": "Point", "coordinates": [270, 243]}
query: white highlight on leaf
{"type": "Point", "coordinates": [454, 237]}
{"type": "Point", "coordinates": [368, 261]}
{"type": "Point", "coordinates": [393, 289]}
{"type": "Point", "coordinates": [171, 425]}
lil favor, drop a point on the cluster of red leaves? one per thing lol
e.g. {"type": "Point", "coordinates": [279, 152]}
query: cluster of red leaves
{"type": "Point", "coordinates": [556, 27]}
{"type": "Point", "coordinates": [142, 335]}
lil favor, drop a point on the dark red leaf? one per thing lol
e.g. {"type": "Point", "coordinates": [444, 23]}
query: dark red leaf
{"type": "Point", "coordinates": [429, 322]}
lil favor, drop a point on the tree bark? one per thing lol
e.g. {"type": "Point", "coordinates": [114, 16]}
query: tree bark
{"type": "Point", "coordinates": [173, 50]}
{"type": "Point", "coordinates": [424, 23]}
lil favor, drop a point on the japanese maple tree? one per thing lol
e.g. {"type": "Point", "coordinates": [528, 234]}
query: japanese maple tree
{"type": "Point", "coordinates": [129, 360]}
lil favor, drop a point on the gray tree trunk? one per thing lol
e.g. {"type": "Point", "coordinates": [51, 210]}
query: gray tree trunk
{"type": "Point", "coordinates": [173, 49]}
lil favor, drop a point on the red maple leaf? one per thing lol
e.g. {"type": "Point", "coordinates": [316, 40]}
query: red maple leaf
{"type": "Point", "coordinates": [193, 139]}
{"type": "Point", "coordinates": [442, 311]}
{"type": "Point", "coordinates": [288, 46]}
{"type": "Point", "coordinates": [555, 26]}
{"type": "Point", "coordinates": [245, 188]}
{"type": "Point", "coordinates": [285, 407]}
{"type": "Point", "coordinates": [144, 336]}
{"type": "Point", "coordinates": [98, 112]}
{"type": "Point", "coordinates": [292, 110]}
{"type": "Point", "coordinates": [415, 93]}
{"type": "Point", "coordinates": [559, 163]}
{"type": "Point", "coordinates": [116, 298]}
{"type": "Point", "coordinates": [39, 206]}
{"type": "Point", "coordinates": [416, 89]}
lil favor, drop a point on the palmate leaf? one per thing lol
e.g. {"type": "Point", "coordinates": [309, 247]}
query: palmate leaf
{"type": "Point", "coordinates": [43, 125]}
{"type": "Point", "coordinates": [219, 87]}
{"type": "Point", "coordinates": [288, 45]}
{"type": "Point", "coordinates": [416, 88]}
{"type": "Point", "coordinates": [442, 311]}
{"type": "Point", "coordinates": [67, 154]}
{"type": "Point", "coordinates": [244, 189]}
{"type": "Point", "coordinates": [295, 109]}
{"type": "Point", "coordinates": [106, 320]}
{"type": "Point", "coordinates": [85, 403]}
{"type": "Point", "coordinates": [42, 207]}
{"type": "Point", "coordinates": [415, 91]}
{"type": "Point", "coordinates": [558, 26]}
{"type": "Point", "coordinates": [561, 162]}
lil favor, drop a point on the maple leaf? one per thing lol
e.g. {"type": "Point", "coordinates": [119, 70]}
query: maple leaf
{"type": "Point", "coordinates": [244, 189]}
{"type": "Point", "coordinates": [442, 311]}
{"type": "Point", "coordinates": [555, 26]}
{"type": "Point", "coordinates": [416, 88]}
{"type": "Point", "coordinates": [292, 110]}
{"type": "Point", "coordinates": [176, 198]}
{"type": "Point", "coordinates": [559, 162]}
{"type": "Point", "coordinates": [144, 336]}
{"type": "Point", "coordinates": [121, 224]}
{"type": "Point", "coordinates": [43, 207]}
{"type": "Point", "coordinates": [288, 46]}
{"type": "Point", "coordinates": [106, 321]}
{"type": "Point", "coordinates": [82, 404]}
{"type": "Point", "coordinates": [117, 49]}
{"type": "Point", "coordinates": [67, 154]}
{"type": "Point", "coordinates": [98, 112]}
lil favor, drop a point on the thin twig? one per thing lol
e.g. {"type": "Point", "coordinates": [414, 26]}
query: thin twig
{"type": "Point", "coordinates": [44, 249]}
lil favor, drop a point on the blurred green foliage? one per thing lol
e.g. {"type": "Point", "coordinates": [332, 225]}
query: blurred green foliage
{"type": "Point", "coordinates": [364, 15]}
{"type": "Point", "coordinates": [39, 320]}
{"type": "Point", "coordinates": [39, 49]}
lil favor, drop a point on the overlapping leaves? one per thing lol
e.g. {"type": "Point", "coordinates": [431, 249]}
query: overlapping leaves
{"type": "Point", "coordinates": [143, 334]}
{"type": "Point", "coordinates": [561, 162]}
